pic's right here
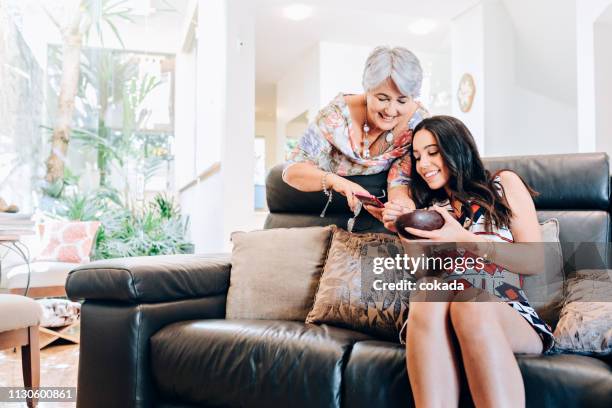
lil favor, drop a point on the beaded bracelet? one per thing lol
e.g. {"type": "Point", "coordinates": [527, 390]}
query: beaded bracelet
{"type": "Point", "coordinates": [327, 192]}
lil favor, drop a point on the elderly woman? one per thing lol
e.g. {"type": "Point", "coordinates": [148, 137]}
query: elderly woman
{"type": "Point", "coordinates": [364, 134]}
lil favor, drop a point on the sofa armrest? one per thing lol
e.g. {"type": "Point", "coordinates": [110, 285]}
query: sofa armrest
{"type": "Point", "coordinates": [126, 302]}
{"type": "Point", "coordinates": [151, 279]}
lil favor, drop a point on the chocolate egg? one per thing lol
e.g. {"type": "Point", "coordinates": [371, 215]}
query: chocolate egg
{"type": "Point", "coordinates": [427, 220]}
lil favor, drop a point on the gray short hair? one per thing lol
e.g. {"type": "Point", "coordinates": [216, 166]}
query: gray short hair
{"type": "Point", "coordinates": [399, 64]}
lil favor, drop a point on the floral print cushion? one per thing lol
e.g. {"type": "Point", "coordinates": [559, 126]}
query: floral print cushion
{"type": "Point", "coordinates": [68, 241]}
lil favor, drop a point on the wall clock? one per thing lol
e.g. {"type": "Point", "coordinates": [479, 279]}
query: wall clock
{"type": "Point", "coordinates": [466, 92]}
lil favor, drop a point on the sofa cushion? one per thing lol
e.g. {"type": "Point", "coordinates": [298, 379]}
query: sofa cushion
{"type": "Point", "coordinates": [267, 363]}
{"type": "Point", "coordinates": [151, 279]}
{"type": "Point", "coordinates": [293, 208]}
{"type": "Point", "coordinates": [580, 225]}
{"type": "Point", "coordinates": [585, 325]}
{"type": "Point", "coordinates": [577, 181]}
{"type": "Point", "coordinates": [346, 297]}
{"type": "Point", "coordinates": [282, 198]}
{"type": "Point", "coordinates": [584, 237]}
{"type": "Point", "coordinates": [275, 272]}
{"type": "Point", "coordinates": [550, 175]}
{"type": "Point", "coordinates": [566, 380]}
{"type": "Point", "coordinates": [18, 312]}
{"type": "Point", "coordinates": [545, 289]}
{"type": "Point", "coordinates": [376, 376]}
{"type": "Point", "coordinates": [364, 223]}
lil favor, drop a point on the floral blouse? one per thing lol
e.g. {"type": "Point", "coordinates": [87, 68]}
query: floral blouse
{"type": "Point", "coordinates": [331, 143]}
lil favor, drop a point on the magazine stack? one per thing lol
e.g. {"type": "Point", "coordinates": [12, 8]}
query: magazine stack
{"type": "Point", "coordinates": [14, 225]}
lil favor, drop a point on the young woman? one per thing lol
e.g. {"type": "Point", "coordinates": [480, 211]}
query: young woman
{"type": "Point", "coordinates": [478, 207]}
{"type": "Point", "coordinates": [364, 134]}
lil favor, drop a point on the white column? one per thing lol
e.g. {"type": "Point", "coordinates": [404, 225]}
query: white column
{"type": "Point", "coordinates": [603, 85]}
{"type": "Point", "coordinates": [220, 198]}
{"type": "Point", "coordinates": [238, 157]}
{"type": "Point", "coordinates": [212, 78]}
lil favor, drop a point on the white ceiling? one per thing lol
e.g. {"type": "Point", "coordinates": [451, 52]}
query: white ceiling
{"type": "Point", "coordinates": [280, 43]}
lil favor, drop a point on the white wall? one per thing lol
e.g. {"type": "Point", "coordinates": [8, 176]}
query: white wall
{"type": "Point", "coordinates": [436, 91]}
{"type": "Point", "coordinates": [467, 56]}
{"type": "Point", "coordinates": [545, 38]}
{"type": "Point", "coordinates": [541, 125]}
{"type": "Point", "coordinates": [509, 115]}
{"type": "Point", "coordinates": [204, 206]}
{"type": "Point", "coordinates": [297, 127]}
{"type": "Point", "coordinates": [499, 87]}
{"type": "Point", "coordinates": [267, 129]}
{"type": "Point", "coordinates": [603, 86]}
{"type": "Point", "coordinates": [341, 69]}
{"type": "Point", "coordinates": [297, 92]}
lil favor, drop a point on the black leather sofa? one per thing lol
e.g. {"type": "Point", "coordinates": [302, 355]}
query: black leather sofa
{"type": "Point", "coordinates": [153, 331]}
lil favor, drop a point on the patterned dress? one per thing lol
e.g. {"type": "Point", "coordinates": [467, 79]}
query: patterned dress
{"type": "Point", "coordinates": [332, 144]}
{"type": "Point", "coordinates": [493, 278]}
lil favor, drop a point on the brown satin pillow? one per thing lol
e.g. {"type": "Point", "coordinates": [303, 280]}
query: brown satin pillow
{"type": "Point", "coordinates": [339, 300]}
{"type": "Point", "coordinates": [275, 272]}
{"type": "Point", "coordinates": [585, 325]}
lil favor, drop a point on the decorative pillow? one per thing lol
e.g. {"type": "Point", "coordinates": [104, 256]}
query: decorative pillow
{"type": "Point", "coordinates": [68, 241]}
{"type": "Point", "coordinates": [585, 325]}
{"type": "Point", "coordinates": [275, 272]}
{"type": "Point", "coordinates": [545, 290]}
{"type": "Point", "coordinates": [59, 312]}
{"type": "Point", "coordinates": [346, 296]}
{"type": "Point", "coordinates": [550, 230]}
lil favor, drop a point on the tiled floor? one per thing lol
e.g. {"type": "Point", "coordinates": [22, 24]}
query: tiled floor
{"type": "Point", "coordinates": [58, 368]}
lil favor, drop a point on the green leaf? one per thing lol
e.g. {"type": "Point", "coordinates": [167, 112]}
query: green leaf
{"type": "Point", "coordinates": [115, 31]}
{"type": "Point", "coordinates": [108, 5]}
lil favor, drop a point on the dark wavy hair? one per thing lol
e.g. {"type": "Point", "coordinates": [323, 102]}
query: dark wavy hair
{"type": "Point", "coordinates": [470, 182]}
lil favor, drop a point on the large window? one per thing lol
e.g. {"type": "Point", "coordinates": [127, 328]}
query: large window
{"type": "Point", "coordinates": [123, 123]}
{"type": "Point", "coordinates": [87, 111]}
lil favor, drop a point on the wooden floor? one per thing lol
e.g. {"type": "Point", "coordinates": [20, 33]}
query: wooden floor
{"type": "Point", "coordinates": [58, 368]}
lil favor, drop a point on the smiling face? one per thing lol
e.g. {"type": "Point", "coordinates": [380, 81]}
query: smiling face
{"type": "Point", "coordinates": [386, 105]}
{"type": "Point", "coordinates": [429, 161]}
